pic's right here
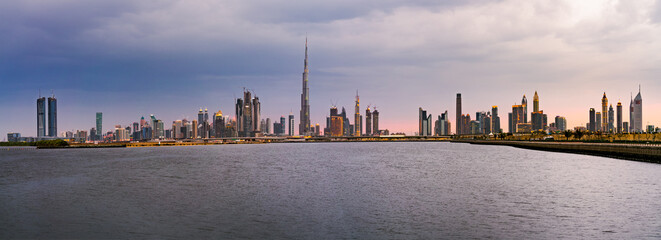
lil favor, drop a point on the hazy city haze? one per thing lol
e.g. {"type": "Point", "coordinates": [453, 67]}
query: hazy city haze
{"type": "Point", "coordinates": [130, 59]}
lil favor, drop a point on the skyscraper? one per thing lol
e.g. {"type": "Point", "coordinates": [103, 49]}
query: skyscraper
{"type": "Point", "coordinates": [304, 125]}
{"type": "Point", "coordinates": [99, 126]}
{"type": "Point", "coordinates": [611, 119]}
{"type": "Point", "coordinates": [368, 122]}
{"type": "Point", "coordinates": [41, 117]}
{"type": "Point", "coordinates": [375, 122]}
{"type": "Point", "coordinates": [619, 117]}
{"type": "Point", "coordinates": [424, 123]}
{"type": "Point", "coordinates": [219, 124]}
{"type": "Point", "coordinates": [637, 113]}
{"type": "Point", "coordinates": [604, 114]}
{"type": "Point", "coordinates": [495, 120]}
{"type": "Point", "coordinates": [518, 117]}
{"type": "Point", "coordinates": [593, 119]}
{"type": "Point", "coordinates": [459, 125]}
{"type": "Point", "coordinates": [597, 122]}
{"type": "Point", "coordinates": [291, 124]}
{"type": "Point", "coordinates": [535, 103]}
{"type": "Point", "coordinates": [524, 104]}
{"type": "Point", "coordinates": [52, 116]}
{"type": "Point", "coordinates": [560, 123]}
{"type": "Point", "coordinates": [247, 115]}
{"type": "Point", "coordinates": [357, 122]}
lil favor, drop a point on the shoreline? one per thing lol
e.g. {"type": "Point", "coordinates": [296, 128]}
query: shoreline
{"type": "Point", "coordinates": [634, 152]}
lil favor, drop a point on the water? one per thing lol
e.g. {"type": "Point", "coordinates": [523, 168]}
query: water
{"type": "Point", "coordinates": [326, 191]}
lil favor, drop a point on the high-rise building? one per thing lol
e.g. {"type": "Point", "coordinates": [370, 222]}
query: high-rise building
{"type": "Point", "coordinates": [256, 116]}
{"type": "Point", "coordinates": [625, 127]}
{"type": "Point", "coordinates": [375, 123]}
{"type": "Point", "coordinates": [604, 113]}
{"type": "Point", "coordinates": [524, 104]}
{"type": "Point", "coordinates": [337, 123]}
{"type": "Point", "coordinates": [518, 116]}
{"type": "Point", "coordinates": [611, 119]}
{"type": "Point", "coordinates": [619, 117]}
{"type": "Point", "coordinates": [52, 116]}
{"type": "Point", "coordinates": [41, 117]}
{"type": "Point", "coordinates": [219, 125]}
{"type": "Point", "coordinates": [368, 122]}
{"type": "Point", "coordinates": [593, 119]}
{"type": "Point", "coordinates": [304, 125]}
{"type": "Point", "coordinates": [442, 125]}
{"type": "Point", "coordinates": [345, 123]}
{"type": "Point", "coordinates": [560, 123]}
{"type": "Point", "coordinates": [459, 126]}
{"type": "Point", "coordinates": [597, 122]}
{"type": "Point", "coordinates": [424, 123]}
{"type": "Point", "coordinates": [99, 126]}
{"type": "Point", "coordinates": [291, 124]}
{"type": "Point", "coordinates": [636, 114]}
{"type": "Point", "coordinates": [495, 120]}
{"type": "Point", "coordinates": [357, 121]}
{"type": "Point", "coordinates": [510, 123]}
{"type": "Point", "coordinates": [537, 121]}
{"type": "Point", "coordinates": [283, 126]}
{"type": "Point", "coordinates": [535, 103]}
{"type": "Point", "coordinates": [247, 115]}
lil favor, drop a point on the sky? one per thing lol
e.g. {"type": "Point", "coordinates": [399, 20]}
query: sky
{"type": "Point", "coordinates": [170, 58]}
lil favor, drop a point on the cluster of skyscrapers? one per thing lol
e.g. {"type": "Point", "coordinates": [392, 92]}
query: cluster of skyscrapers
{"type": "Point", "coordinates": [608, 121]}
{"type": "Point", "coordinates": [248, 122]}
{"type": "Point", "coordinates": [339, 125]}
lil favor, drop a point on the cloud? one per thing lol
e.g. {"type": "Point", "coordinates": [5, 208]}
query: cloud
{"type": "Point", "coordinates": [399, 55]}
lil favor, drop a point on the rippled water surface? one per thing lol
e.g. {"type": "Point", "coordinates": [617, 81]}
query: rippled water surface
{"type": "Point", "coordinates": [326, 190]}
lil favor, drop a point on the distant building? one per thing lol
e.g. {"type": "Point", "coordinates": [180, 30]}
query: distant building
{"type": "Point", "coordinates": [219, 125]}
{"type": "Point", "coordinates": [625, 127]}
{"type": "Point", "coordinates": [537, 121]}
{"type": "Point", "coordinates": [52, 116]}
{"type": "Point", "coordinates": [524, 105]}
{"type": "Point", "coordinates": [41, 117]}
{"type": "Point", "coordinates": [593, 118]}
{"type": "Point", "coordinates": [99, 126]}
{"type": "Point", "coordinates": [368, 122]}
{"type": "Point", "coordinates": [291, 124]}
{"type": "Point", "coordinates": [636, 114]}
{"type": "Point", "coordinates": [518, 116]}
{"type": "Point", "coordinates": [535, 102]}
{"type": "Point", "coordinates": [375, 123]}
{"type": "Point", "coordinates": [248, 115]}
{"type": "Point", "coordinates": [495, 120]}
{"type": "Point", "coordinates": [619, 117]}
{"type": "Point", "coordinates": [459, 116]}
{"type": "Point", "coordinates": [13, 137]}
{"type": "Point", "coordinates": [560, 123]}
{"type": "Point", "coordinates": [304, 124]}
{"type": "Point", "coordinates": [604, 114]}
{"type": "Point", "coordinates": [611, 119]}
{"type": "Point", "coordinates": [524, 128]}
{"type": "Point", "coordinates": [597, 122]}
{"type": "Point", "coordinates": [424, 123]}
{"type": "Point", "coordinates": [357, 120]}
{"type": "Point", "coordinates": [442, 125]}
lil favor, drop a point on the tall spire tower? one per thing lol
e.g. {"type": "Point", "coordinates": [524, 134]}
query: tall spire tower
{"type": "Point", "coordinates": [604, 113]}
{"type": "Point", "coordinates": [535, 103]}
{"type": "Point", "coordinates": [358, 121]}
{"type": "Point", "coordinates": [304, 124]}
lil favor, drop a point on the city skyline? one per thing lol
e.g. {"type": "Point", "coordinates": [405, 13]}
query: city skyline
{"type": "Point", "coordinates": [563, 52]}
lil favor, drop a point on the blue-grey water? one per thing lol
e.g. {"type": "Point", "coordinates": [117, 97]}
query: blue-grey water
{"type": "Point", "coordinates": [326, 191]}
